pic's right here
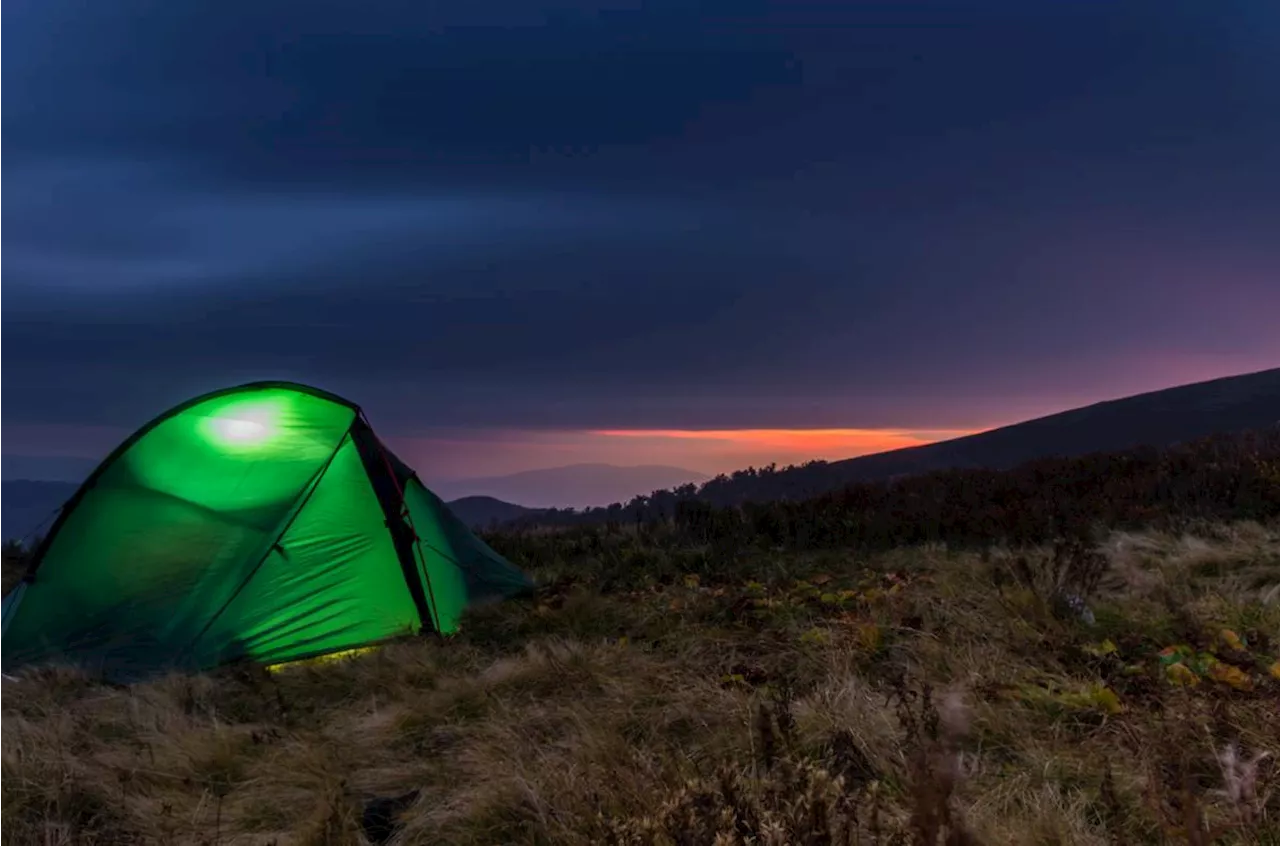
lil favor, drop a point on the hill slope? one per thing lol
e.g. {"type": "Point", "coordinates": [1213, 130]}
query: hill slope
{"type": "Point", "coordinates": [662, 689]}
{"type": "Point", "coordinates": [560, 705]}
{"type": "Point", "coordinates": [1158, 418]}
{"type": "Point", "coordinates": [484, 511]}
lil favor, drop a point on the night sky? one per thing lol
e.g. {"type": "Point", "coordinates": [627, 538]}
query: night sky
{"type": "Point", "coordinates": [524, 235]}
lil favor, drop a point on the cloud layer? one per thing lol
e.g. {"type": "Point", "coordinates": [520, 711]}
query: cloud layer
{"type": "Point", "coordinates": [758, 215]}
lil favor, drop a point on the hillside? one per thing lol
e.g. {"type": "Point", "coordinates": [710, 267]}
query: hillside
{"type": "Point", "coordinates": [484, 511]}
{"type": "Point", "coordinates": [1158, 418]}
{"type": "Point", "coordinates": [710, 681]}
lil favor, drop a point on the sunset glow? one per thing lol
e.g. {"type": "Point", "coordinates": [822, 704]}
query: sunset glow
{"type": "Point", "coordinates": [460, 453]}
{"type": "Point", "coordinates": [705, 450]}
{"type": "Point", "coordinates": [850, 441]}
{"type": "Point", "coordinates": [725, 450]}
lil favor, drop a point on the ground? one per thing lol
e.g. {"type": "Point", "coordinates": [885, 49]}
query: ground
{"type": "Point", "coordinates": [659, 692]}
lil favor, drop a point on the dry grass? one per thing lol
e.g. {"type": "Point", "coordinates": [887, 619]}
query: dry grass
{"type": "Point", "coordinates": [916, 697]}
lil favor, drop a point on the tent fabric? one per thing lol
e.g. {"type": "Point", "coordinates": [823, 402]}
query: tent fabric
{"type": "Point", "coordinates": [265, 522]}
{"type": "Point", "coordinates": [459, 568]}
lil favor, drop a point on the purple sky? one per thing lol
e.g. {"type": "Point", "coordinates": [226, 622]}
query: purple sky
{"type": "Point", "coordinates": [506, 226]}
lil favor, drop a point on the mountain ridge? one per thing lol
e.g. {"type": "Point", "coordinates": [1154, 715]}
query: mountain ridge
{"type": "Point", "coordinates": [1161, 417]}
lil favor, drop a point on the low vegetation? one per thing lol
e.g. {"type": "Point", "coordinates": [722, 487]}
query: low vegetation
{"type": "Point", "coordinates": [1100, 686]}
{"type": "Point", "coordinates": [916, 696]}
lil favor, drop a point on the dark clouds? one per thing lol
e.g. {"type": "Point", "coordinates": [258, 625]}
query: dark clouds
{"type": "Point", "coordinates": [301, 92]}
{"type": "Point", "coordinates": [615, 215]}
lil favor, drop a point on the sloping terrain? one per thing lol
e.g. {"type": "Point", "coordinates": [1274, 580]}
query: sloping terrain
{"type": "Point", "coordinates": [1156, 419]}
{"type": "Point", "coordinates": [797, 699]}
{"type": "Point", "coordinates": [482, 512]}
{"type": "Point", "coordinates": [705, 684]}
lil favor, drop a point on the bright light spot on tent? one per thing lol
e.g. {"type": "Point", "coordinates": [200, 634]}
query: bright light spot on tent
{"type": "Point", "coordinates": [243, 425]}
{"type": "Point", "coordinates": [240, 430]}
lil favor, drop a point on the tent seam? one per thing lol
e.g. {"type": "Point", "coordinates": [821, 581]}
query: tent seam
{"type": "Point", "coordinates": [312, 485]}
{"type": "Point", "coordinates": [407, 516]}
{"type": "Point", "coordinates": [408, 567]}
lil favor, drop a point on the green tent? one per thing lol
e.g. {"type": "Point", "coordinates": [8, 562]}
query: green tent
{"type": "Point", "coordinates": [265, 522]}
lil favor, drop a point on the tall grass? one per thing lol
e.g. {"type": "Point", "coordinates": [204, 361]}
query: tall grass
{"type": "Point", "coordinates": [655, 692]}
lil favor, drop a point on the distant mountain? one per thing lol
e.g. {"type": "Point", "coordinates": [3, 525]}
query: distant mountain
{"type": "Point", "coordinates": [574, 486]}
{"type": "Point", "coordinates": [28, 505]}
{"type": "Point", "coordinates": [1157, 418]}
{"type": "Point", "coordinates": [481, 512]}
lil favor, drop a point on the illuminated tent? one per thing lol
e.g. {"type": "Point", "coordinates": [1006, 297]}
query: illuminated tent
{"type": "Point", "coordinates": [265, 522]}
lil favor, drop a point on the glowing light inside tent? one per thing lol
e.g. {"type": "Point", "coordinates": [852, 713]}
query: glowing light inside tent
{"type": "Point", "coordinates": [243, 425]}
{"type": "Point", "coordinates": [240, 430]}
{"type": "Point", "coordinates": [344, 654]}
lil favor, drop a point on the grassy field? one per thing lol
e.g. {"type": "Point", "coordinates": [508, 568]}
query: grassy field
{"type": "Point", "coordinates": [656, 692]}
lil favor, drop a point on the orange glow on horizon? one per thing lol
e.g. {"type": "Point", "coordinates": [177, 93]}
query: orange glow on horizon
{"type": "Point", "coordinates": [852, 441]}
{"type": "Point", "coordinates": [460, 454]}
{"type": "Point", "coordinates": [708, 451]}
